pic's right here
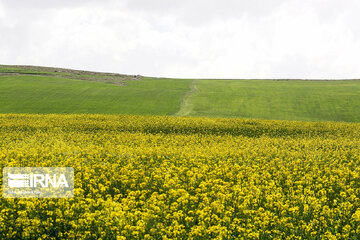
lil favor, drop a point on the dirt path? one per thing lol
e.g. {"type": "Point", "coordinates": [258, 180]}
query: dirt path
{"type": "Point", "coordinates": [185, 106]}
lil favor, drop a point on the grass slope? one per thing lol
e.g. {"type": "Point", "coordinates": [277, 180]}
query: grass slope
{"type": "Point", "coordinates": [28, 89]}
{"type": "Point", "coordinates": [44, 94]}
{"type": "Point", "coordinates": [277, 99]}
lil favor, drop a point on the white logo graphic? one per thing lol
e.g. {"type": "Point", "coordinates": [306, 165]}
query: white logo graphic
{"type": "Point", "coordinates": [38, 182]}
{"type": "Point", "coordinates": [18, 180]}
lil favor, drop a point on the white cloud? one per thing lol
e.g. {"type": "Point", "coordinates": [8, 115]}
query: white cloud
{"type": "Point", "coordinates": [236, 39]}
{"type": "Point", "coordinates": [2, 12]}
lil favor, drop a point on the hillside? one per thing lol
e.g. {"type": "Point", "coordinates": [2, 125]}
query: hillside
{"type": "Point", "coordinates": [29, 89]}
{"type": "Point", "coordinates": [40, 90]}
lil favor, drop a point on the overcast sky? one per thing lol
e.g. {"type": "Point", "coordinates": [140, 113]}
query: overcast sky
{"type": "Point", "coordinates": [186, 38]}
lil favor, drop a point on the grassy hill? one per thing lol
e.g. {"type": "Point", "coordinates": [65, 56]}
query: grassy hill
{"type": "Point", "coordinates": [25, 89]}
{"type": "Point", "coordinates": [276, 99]}
{"type": "Point", "coordinates": [74, 92]}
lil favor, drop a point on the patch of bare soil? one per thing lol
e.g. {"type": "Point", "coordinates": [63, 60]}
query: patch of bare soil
{"type": "Point", "coordinates": [112, 78]}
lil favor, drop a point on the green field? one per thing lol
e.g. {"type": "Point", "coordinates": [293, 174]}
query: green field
{"type": "Point", "coordinates": [48, 90]}
{"type": "Point", "coordinates": [39, 94]}
{"type": "Point", "coordinates": [277, 99]}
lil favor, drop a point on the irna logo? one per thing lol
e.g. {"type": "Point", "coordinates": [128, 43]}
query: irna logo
{"type": "Point", "coordinates": [39, 182]}
{"type": "Point", "coordinates": [36, 180]}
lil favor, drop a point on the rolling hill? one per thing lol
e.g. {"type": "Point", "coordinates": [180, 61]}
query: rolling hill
{"type": "Point", "coordinates": [29, 89]}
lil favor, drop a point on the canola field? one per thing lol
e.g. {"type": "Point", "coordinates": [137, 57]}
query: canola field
{"type": "Point", "coordinates": [147, 177]}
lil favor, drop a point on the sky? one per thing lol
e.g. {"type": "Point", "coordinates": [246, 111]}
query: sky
{"type": "Point", "coordinates": [311, 39]}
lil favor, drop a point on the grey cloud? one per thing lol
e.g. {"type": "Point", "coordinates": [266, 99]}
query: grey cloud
{"type": "Point", "coordinates": [198, 38]}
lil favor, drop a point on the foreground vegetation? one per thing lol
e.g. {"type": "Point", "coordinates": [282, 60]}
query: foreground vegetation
{"type": "Point", "coordinates": [174, 177]}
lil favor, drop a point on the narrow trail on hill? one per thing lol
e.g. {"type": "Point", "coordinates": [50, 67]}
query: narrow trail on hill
{"type": "Point", "coordinates": [186, 106]}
